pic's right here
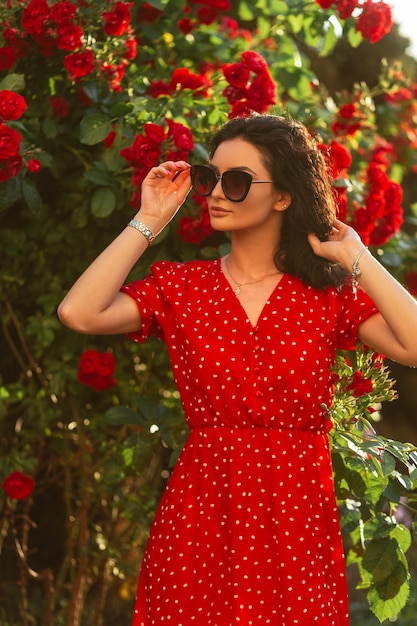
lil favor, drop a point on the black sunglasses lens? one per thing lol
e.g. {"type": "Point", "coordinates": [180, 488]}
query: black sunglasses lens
{"type": "Point", "coordinates": [203, 180]}
{"type": "Point", "coordinates": [236, 185]}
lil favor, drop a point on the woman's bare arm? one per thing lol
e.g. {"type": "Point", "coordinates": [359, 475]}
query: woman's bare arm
{"type": "Point", "coordinates": [94, 304]}
{"type": "Point", "coordinates": [392, 332]}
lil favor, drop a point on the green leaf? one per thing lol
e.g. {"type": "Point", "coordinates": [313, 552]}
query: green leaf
{"type": "Point", "coordinates": [50, 128]}
{"type": "Point", "coordinates": [295, 22]}
{"type": "Point", "coordinates": [142, 455]}
{"type": "Point", "coordinates": [10, 192]}
{"type": "Point", "coordinates": [354, 37]}
{"type": "Point", "coordinates": [329, 41]}
{"type": "Point", "coordinates": [381, 558]}
{"type": "Point", "coordinates": [94, 128]}
{"type": "Point", "coordinates": [103, 202]}
{"type": "Point", "coordinates": [403, 536]}
{"type": "Point", "coordinates": [98, 177]}
{"type": "Point", "coordinates": [246, 12]}
{"type": "Point", "coordinates": [121, 109]}
{"type": "Point", "coordinates": [388, 462]}
{"type": "Point", "coordinates": [388, 597]}
{"type": "Point", "coordinates": [32, 196]}
{"type": "Point", "coordinates": [13, 82]}
{"type": "Point", "coordinates": [118, 415]}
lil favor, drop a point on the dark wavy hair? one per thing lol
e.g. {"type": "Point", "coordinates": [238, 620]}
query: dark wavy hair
{"type": "Point", "coordinates": [292, 159]}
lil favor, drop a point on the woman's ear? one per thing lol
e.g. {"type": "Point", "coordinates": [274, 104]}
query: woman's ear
{"type": "Point", "coordinates": [283, 201]}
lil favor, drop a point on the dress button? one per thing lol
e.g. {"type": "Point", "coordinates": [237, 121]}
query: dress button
{"type": "Point", "coordinates": [259, 394]}
{"type": "Point", "coordinates": [257, 347]}
{"type": "Point", "coordinates": [256, 369]}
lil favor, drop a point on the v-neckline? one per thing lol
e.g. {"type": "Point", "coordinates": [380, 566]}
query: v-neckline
{"type": "Point", "coordinates": [261, 315]}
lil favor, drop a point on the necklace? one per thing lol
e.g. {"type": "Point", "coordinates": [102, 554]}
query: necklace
{"type": "Point", "coordinates": [252, 282]}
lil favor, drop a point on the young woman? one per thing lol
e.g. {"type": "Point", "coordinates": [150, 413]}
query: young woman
{"type": "Point", "coordinates": [247, 531]}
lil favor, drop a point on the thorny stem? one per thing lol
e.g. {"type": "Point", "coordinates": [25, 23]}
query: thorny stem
{"type": "Point", "coordinates": [34, 367]}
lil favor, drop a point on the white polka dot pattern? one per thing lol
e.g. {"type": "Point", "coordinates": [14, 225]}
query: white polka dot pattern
{"type": "Point", "coordinates": [247, 531]}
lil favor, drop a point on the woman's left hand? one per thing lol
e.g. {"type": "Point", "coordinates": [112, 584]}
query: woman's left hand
{"type": "Point", "coordinates": [342, 246]}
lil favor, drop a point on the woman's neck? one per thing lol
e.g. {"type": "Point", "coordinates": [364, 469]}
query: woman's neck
{"type": "Point", "coordinates": [251, 256]}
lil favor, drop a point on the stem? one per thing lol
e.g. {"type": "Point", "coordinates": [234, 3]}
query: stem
{"type": "Point", "coordinates": [80, 583]}
{"type": "Point", "coordinates": [34, 366]}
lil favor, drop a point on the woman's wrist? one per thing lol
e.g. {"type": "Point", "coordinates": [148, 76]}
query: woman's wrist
{"type": "Point", "coordinates": [356, 271]}
{"type": "Point", "coordinates": [150, 223]}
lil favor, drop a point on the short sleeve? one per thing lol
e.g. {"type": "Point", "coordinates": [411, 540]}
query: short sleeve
{"type": "Point", "coordinates": [351, 313]}
{"type": "Point", "coordinates": [149, 299]}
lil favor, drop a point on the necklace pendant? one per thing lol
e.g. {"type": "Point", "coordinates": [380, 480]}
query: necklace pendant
{"type": "Point", "coordinates": [237, 290]}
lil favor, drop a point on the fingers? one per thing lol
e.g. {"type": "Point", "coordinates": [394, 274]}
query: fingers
{"type": "Point", "coordinates": [168, 169]}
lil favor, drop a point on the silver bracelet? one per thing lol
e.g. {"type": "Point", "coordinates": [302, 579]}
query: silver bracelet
{"type": "Point", "coordinates": [356, 272]}
{"type": "Point", "coordinates": [142, 229]}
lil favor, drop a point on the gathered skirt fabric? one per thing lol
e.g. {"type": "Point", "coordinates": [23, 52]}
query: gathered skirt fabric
{"type": "Point", "coordinates": [247, 533]}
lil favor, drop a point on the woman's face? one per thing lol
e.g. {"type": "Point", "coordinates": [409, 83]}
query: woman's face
{"type": "Point", "coordinates": [263, 203]}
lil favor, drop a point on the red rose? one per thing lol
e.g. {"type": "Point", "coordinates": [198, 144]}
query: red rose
{"type": "Point", "coordinates": [207, 15]}
{"type": "Point", "coordinates": [375, 20]}
{"type": "Point", "coordinates": [360, 386]}
{"type": "Point", "coordinates": [340, 157]}
{"type": "Point", "coordinates": [79, 64]}
{"type": "Point", "coordinates": [185, 79]}
{"type": "Point", "coordinates": [117, 22]}
{"type": "Point", "coordinates": [132, 49]}
{"type": "Point", "coordinates": [8, 57]}
{"type": "Point", "coordinates": [148, 13]}
{"type": "Point", "coordinates": [106, 364]}
{"type": "Point", "coordinates": [154, 133]}
{"type": "Point", "coordinates": [182, 135]}
{"type": "Point", "coordinates": [89, 362]}
{"type": "Point", "coordinates": [114, 74]}
{"type": "Point", "coordinates": [10, 167]}
{"type": "Point", "coordinates": [185, 25]}
{"type": "Point", "coordinates": [347, 111]}
{"type": "Point", "coordinates": [35, 15]}
{"type": "Point", "coordinates": [159, 88]}
{"type": "Point", "coordinates": [262, 93]}
{"type": "Point", "coordinates": [148, 155]}
{"type": "Point", "coordinates": [18, 486]}
{"type": "Point", "coordinates": [254, 61]}
{"type": "Point", "coordinates": [195, 229]}
{"type": "Point", "coordinates": [63, 11]}
{"type": "Point", "coordinates": [236, 74]}
{"type": "Point", "coordinates": [96, 370]}
{"type": "Point", "coordinates": [12, 105]}
{"type": "Point", "coordinates": [325, 4]}
{"type": "Point", "coordinates": [69, 36]}
{"type": "Point", "coordinates": [9, 142]}
{"type": "Point", "coordinates": [232, 94]}
{"type": "Point", "coordinates": [33, 165]}
{"type": "Point", "coordinates": [60, 106]}
{"type": "Point", "coordinates": [345, 8]}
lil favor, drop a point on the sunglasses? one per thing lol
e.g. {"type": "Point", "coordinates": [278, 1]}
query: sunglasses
{"type": "Point", "coordinates": [235, 183]}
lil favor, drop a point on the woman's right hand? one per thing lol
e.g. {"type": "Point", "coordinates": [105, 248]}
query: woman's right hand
{"type": "Point", "coordinates": [163, 191]}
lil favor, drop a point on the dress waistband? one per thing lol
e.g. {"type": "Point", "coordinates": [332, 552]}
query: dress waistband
{"type": "Point", "coordinates": [322, 429]}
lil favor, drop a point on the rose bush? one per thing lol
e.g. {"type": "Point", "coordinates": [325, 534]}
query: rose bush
{"type": "Point", "coordinates": [92, 94]}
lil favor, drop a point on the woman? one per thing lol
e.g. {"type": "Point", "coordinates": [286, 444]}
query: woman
{"type": "Point", "coordinates": [247, 531]}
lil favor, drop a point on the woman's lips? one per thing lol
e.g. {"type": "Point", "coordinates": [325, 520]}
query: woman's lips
{"type": "Point", "coordinates": [218, 211]}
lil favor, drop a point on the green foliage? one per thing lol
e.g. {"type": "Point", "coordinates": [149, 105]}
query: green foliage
{"type": "Point", "coordinates": [374, 477]}
{"type": "Point", "coordinates": [100, 459]}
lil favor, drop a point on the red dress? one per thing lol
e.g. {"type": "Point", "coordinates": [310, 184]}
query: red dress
{"type": "Point", "coordinates": [247, 532]}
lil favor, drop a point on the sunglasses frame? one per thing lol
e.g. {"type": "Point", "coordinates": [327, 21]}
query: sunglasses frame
{"type": "Point", "coordinates": [219, 177]}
